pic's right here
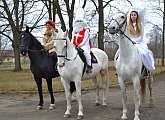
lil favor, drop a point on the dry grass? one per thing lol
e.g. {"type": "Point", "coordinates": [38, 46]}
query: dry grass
{"type": "Point", "coordinates": [23, 81]}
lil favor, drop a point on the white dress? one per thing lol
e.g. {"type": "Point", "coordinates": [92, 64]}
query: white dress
{"type": "Point", "coordinates": [145, 54]}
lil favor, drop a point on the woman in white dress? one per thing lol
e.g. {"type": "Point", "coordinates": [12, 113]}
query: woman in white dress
{"type": "Point", "coordinates": [135, 33]}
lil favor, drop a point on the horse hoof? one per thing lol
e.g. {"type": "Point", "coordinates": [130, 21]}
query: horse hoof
{"type": "Point", "coordinates": [151, 105]}
{"type": "Point", "coordinates": [52, 106]}
{"type": "Point", "coordinates": [66, 116]}
{"type": "Point", "coordinates": [104, 106]}
{"type": "Point", "coordinates": [39, 107]}
{"type": "Point", "coordinates": [136, 118]}
{"type": "Point", "coordinates": [80, 117]}
{"type": "Point", "coordinates": [97, 104]}
{"type": "Point", "coordinates": [124, 117]}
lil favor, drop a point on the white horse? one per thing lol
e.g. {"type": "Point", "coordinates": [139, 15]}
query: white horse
{"type": "Point", "coordinates": [129, 65]}
{"type": "Point", "coordinates": [70, 68]}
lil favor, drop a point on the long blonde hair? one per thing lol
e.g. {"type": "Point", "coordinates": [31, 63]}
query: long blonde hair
{"type": "Point", "coordinates": [138, 25]}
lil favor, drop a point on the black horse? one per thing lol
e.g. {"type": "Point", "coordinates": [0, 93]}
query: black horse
{"type": "Point", "coordinates": [41, 64]}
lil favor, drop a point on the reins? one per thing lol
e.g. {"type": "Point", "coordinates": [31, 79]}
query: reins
{"type": "Point", "coordinates": [127, 37]}
{"type": "Point", "coordinates": [121, 25]}
{"type": "Point", "coordinates": [36, 50]}
{"type": "Point", "coordinates": [65, 56]}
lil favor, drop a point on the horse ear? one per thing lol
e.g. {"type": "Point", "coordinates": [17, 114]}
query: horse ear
{"type": "Point", "coordinates": [66, 33]}
{"type": "Point", "coordinates": [27, 29]}
{"type": "Point", "coordinates": [126, 11]}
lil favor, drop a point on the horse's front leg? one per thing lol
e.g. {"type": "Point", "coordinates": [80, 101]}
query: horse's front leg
{"type": "Point", "coordinates": [78, 91]}
{"type": "Point", "coordinates": [66, 85]}
{"type": "Point", "coordinates": [49, 84]}
{"type": "Point", "coordinates": [124, 97]}
{"type": "Point", "coordinates": [136, 84]}
{"type": "Point", "coordinates": [39, 86]}
{"type": "Point", "coordinates": [150, 82]}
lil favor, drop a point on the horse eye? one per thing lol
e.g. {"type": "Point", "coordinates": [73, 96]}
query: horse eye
{"type": "Point", "coordinates": [122, 17]}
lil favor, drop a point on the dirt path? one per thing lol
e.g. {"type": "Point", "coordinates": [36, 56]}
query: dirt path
{"type": "Point", "coordinates": [23, 106]}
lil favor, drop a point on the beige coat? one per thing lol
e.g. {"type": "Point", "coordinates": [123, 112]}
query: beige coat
{"type": "Point", "coordinates": [48, 42]}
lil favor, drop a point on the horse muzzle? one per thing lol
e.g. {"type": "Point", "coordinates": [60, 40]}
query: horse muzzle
{"type": "Point", "coordinates": [23, 52]}
{"type": "Point", "coordinates": [61, 65]}
{"type": "Point", "coordinates": [113, 30]}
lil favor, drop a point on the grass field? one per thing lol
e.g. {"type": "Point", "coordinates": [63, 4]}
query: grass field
{"type": "Point", "coordinates": [11, 82]}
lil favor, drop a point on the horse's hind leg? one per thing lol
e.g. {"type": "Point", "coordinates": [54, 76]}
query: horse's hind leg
{"type": "Point", "coordinates": [136, 84]}
{"type": "Point", "coordinates": [97, 102]}
{"type": "Point", "coordinates": [124, 97]}
{"type": "Point", "coordinates": [105, 86]}
{"type": "Point", "coordinates": [78, 91]}
{"type": "Point", "coordinates": [150, 81]}
{"type": "Point", "coordinates": [39, 85]}
{"type": "Point", "coordinates": [49, 84]}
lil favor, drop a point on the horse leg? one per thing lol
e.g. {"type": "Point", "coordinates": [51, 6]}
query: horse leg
{"type": "Point", "coordinates": [136, 84]}
{"type": "Point", "coordinates": [150, 81]}
{"type": "Point", "coordinates": [39, 85]}
{"type": "Point", "coordinates": [78, 91]}
{"type": "Point", "coordinates": [73, 98]}
{"type": "Point", "coordinates": [66, 85]}
{"type": "Point", "coordinates": [124, 97]}
{"type": "Point", "coordinates": [105, 85]}
{"type": "Point", "coordinates": [97, 102]}
{"type": "Point", "coordinates": [49, 84]}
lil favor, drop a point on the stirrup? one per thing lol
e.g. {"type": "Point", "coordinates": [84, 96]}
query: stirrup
{"type": "Point", "coordinates": [89, 69]}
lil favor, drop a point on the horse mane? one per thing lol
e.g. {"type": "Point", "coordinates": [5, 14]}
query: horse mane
{"type": "Point", "coordinates": [35, 41]}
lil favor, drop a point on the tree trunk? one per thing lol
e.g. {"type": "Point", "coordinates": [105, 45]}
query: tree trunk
{"type": "Point", "coordinates": [163, 36]}
{"type": "Point", "coordinates": [16, 49]}
{"type": "Point", "coordinates": [17, 57]}
{"type": "Point", "coordinates": [101, 26]}
{"type": "Point", "coordinates": [15, 31]}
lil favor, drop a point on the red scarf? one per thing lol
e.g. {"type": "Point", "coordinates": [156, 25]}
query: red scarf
{"type": "Point", "coordinates": [80, 37]}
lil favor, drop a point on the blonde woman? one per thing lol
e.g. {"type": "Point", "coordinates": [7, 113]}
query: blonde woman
{"type": "Point", "coordinates": [136, 31]}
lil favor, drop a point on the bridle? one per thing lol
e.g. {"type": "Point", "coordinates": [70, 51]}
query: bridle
{"type": "Point", "coordinates": [65, 56]}
{"type": "Point", "coordinates": [122, 25]}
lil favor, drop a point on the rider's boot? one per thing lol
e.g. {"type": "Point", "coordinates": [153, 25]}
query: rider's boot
{"type": "Point", "coordinates": [89, 69]}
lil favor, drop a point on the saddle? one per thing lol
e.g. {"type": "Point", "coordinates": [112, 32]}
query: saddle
{"type": "Point", "coordinates": [144, 72]}
{"type": "Point", "coordinates": [82, 56]}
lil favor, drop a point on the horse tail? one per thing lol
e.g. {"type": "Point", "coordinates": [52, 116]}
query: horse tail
{"type": "Point", "coordinates": [143, 89]}
{"type": "Point", "coordinates": [72, 87]}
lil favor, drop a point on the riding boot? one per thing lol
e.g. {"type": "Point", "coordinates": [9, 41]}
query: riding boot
{"type": "Point", "coordinates": [89, 69]}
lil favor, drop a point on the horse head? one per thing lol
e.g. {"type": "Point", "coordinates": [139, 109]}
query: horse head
{"type": "Point", "coordinates": [118, 23]}
{"type": "Point", "coordinates": [24, 39]}
{"type": "Point", "coordinates": [61, 44]}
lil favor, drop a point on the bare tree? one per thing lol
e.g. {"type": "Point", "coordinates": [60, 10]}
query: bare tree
{"type": "Point", "coordinates": [163, 37]}
{"type": "Point", "coordinates": [13, 15]}
{"type": "Point", "coordinates": [14, 26]}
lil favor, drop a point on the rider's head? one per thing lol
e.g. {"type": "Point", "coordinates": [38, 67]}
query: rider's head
{"type": "Point", "coordinates": [50, 24]}
{"type": "Point", "coordinates": [79, 22]}
{"type": "Point", "coordinates": [134, 23]}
